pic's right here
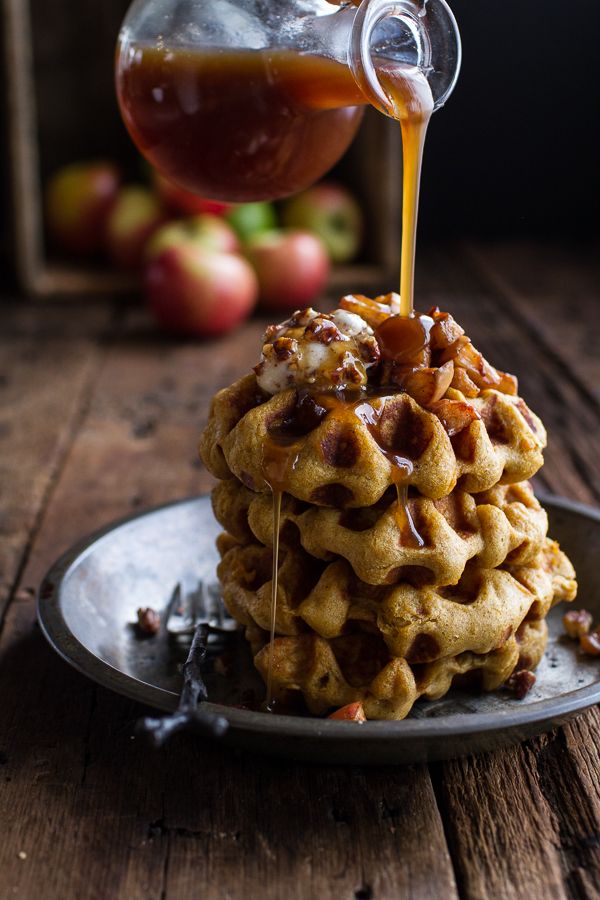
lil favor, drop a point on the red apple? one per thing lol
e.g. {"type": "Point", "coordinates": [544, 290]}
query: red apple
{"type": "Point", "coordinates": [136, 215]}
{"type": "Point", "coordinates": [179, 200]}
{"type": "Point", "coordinates": [354, 712]}
{"type": "Point", "coordinates": [292, 267]}
{"type": "Point", "coordinates": [78, 200]}
{"type": "Point", "coordinates": [210, 232]}
{"type": "Point", "coordinates": [331, 212]}
{"type": "Point", "coordinates": [195, 292]}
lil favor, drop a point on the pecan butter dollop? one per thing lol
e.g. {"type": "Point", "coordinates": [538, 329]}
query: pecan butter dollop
{"type": "Point", "coordinates": [321, 350]}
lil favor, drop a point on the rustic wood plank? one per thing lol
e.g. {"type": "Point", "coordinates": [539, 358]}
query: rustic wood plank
{"type": "Point", "coordinates": [554, 290]}
{"type": "Point", "coordinates": [524, 822]}
{"type": "Point", "coordinates": [310, 832]}
{"type": "Point", "coordinates": [88, 833]}
{"type": "Point", "coordinates": [503, 834]}
{"type": "Point", "coordinates": [137, 446]}
{"type": "Point", "coordinates": [572, 422]}
{"type": "Point", "coordinates": [528, 816]}
{"type": "Point", "coordinates": [47, 365]}
{"type": "Point", "coordinates": [248, 826]}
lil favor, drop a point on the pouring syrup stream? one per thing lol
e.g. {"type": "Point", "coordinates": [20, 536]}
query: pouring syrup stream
{"type": "Point", "coordinates": [412, 102]}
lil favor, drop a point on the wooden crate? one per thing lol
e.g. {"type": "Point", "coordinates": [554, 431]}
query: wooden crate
{"type": "Point", "coordinates": [58, 57]}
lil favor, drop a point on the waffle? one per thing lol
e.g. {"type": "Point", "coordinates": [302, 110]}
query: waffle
{"type": "Point", "coordinates": [504, 524]}
{"type": "Point", "coordinates": [353, 667]}
{"type": "Point", "coordinates": [413, 553]}
{"type": "Point", "coordinates": [473, 443]}
{"type": "Point", "coordinates": [421, 624]}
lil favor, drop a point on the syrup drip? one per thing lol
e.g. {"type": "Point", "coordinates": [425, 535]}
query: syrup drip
{"type": "Point", "coordinates": [412, 104]}
{"type": "Point", "coordinates": [410, 537]}
{"type": "Point", "coordinates": [405, 341]}
{"type": "Point", "coordinates": [402, 338]}
{"type": "Point", "coordinates": [280, 456]}
{"type": "Point", "coordinates": [402, 469]}
{"type": "Point", "coordinates": [274, 593]}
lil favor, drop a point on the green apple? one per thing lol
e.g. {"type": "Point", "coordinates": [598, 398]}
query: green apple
{"type": "Point", "coordinates": [251, 219]}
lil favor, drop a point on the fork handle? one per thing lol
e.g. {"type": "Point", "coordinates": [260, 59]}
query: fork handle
{"type": "Point", "coordinates": [159, 730]}
{"type": "Point", "coordinates": [188, 716]}
{"type": "Point", "coordinates": [194, 690]}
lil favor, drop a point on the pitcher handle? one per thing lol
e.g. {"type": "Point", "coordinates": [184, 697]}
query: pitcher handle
{"type": "Point", "coordinates": [427, 38]}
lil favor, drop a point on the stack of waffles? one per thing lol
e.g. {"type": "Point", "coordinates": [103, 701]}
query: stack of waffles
{"type": "Point", "coordinates": [413, 553]}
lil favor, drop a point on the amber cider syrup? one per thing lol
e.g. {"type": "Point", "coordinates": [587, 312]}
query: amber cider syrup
{"type": "Point", "coordinates": [238, 125]}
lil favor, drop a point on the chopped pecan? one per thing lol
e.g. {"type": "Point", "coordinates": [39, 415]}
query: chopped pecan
{"type": "Point", "coordinates": [284, 348]}
{"type": "Point", "coordinates": [323, 330]}
{"type": "Point", "coordinates": [520, 683]}
{"type": "Point", "coordinates": [148, 620]}
{"type": "Point", "coordinates": [350, 374]}
{"type": "Point", "coordinates": [271, 333]}
{"type": "Point", "coordinates": [577, 622]}
{"type": "Point", "coordinates": [590, 643]}
{"type": "Point", "coordinates": [369, 350]}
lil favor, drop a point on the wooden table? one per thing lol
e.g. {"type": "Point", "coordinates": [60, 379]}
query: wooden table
{"type": "Point", "coordinates": [100, 418]}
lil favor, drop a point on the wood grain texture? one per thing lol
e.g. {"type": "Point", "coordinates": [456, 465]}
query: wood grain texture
{"type": "Point", "coordinates": [46, 369]}
{"type": "Point", "coordinates": [523, 822]}
{"type": "Point", "coordinates": [109, 426]}
{"type": "Point", "coordinates": [192, 814]}
{"type": "Point", "coordinates": [571, 459]}
{"type": "Point", "coordinates": [553, 289]}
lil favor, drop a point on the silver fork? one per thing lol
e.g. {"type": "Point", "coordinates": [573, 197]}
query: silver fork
{"type": "Point", "coordinates": [202, 606]}
{"type": "Point", "coordinates": [198, 613]}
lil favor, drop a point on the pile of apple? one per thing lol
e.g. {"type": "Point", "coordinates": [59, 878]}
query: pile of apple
{"type": "Point", "coordinates": [204, 265]}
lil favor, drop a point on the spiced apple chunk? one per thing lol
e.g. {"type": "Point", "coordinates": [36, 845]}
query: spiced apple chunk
{"type": "Point", "coordinates": [383, 540]}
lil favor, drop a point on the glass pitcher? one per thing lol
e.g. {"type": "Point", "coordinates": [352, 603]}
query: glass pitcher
{"type": "Point", "coordinates": [241, 100]}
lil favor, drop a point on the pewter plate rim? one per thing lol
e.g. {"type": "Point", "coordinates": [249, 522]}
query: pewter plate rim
{"type": "Point", "coordinates": [472, 727]}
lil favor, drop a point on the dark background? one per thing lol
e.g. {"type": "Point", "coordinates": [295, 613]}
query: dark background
{"type": "Point", "coordinates": [515, 151]}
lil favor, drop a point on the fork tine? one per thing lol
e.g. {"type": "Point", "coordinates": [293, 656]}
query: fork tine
{"type": "Point", "coordinates": [180, 616]}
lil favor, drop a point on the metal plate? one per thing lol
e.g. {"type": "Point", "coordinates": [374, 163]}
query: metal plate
{"type": "Point", "coordinates": [89, 599]}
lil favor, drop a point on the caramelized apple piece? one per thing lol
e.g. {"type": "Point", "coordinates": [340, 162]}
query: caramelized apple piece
{"type": "Point", "coordinates": [590, 643]}
{"type": "Point", "coordinates": [373, 312]}
{"type": "Point", "coordinates": [577, 622]}
{"type": "Point", "coordinates": [455, 415]}
{"type": "Point", "coordinates": [446, 330]}
{"type": "Point", "coordinates": [461, 382]}
{"type": "Point", "coordinates": [353, 712]}
{"type": "Point", "coordinates": [390, 301]}
{"type": "Point", "coordinates": [427, 386]}
{"type": "Point", "coordinates": [509, 384]}
{"type": "Point", "coordinates": [477, 368]}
